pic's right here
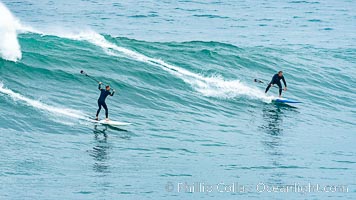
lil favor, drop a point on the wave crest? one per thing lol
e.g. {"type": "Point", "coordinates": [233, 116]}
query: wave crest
{"type": "Point", "coordinates": [9, 44]}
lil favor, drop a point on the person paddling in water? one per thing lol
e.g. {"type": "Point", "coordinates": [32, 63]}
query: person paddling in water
{"type": "Point", "coordinates": [101, 101]}
{"type": "Point", "coordinates": [276, 79]}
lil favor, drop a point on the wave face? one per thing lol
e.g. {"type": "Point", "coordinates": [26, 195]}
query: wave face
{"type": "Point", "coordinates": [194, 106]}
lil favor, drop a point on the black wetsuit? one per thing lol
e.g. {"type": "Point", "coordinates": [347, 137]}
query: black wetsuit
{"type": "Point", "coordinates": [101, 101]}
{"type": "Point", "coordinates": [277, 80]}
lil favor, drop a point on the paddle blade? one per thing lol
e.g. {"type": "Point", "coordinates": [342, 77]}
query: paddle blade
{"type": "Point", "coordinates": [257, 81]}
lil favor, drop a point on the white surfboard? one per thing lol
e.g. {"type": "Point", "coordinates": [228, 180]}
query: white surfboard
{"type": "Point", "coordinates": [110, 122]}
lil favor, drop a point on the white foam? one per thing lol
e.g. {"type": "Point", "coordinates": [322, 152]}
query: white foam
{"type": "Point", "coordinates": [41, 106]}
{"type": "Point", "coordinates": [9, 45]}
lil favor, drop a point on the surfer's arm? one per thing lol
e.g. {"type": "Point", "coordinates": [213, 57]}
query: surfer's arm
{"type": "Point", "coordinates": [113, 92]}
{"type": "Point", "coordinates": [284, 81]}
{"type": "Point", "coordinates": [99, 87]}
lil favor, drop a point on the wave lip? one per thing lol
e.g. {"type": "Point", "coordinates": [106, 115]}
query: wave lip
{"type": "Point", "coordinates": [9, 44]}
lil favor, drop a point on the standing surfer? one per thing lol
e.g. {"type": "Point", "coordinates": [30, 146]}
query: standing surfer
{"type": "Point", "coordinates": [276, 79]}
{"type": "Point", "coordinates": [101, 101]}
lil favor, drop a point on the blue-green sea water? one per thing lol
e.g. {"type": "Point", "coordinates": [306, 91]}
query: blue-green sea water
{"type": "Point", "coordinates": [183, 72]}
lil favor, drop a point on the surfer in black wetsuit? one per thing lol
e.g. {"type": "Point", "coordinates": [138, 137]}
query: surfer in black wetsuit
{"type": "Point", "coordinates": [277, 80]}
{"type": "Point", "coordinates": [101, 101]}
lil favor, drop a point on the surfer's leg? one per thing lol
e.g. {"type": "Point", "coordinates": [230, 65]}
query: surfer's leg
{"type": "Point", "coordinates": [269, 85]}
{"type": "Point", "coordinates": [280, 89]}
{"type": "Point", "coordinates": [106, 110]}
{"type": "Point", "coordinates": [97, 112]}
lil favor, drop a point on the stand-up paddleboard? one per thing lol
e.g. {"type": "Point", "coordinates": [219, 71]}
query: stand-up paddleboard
{"type": "Point", "coordinates": [285, 100]}
{"type": "Point", "coordinates": [109, 122]}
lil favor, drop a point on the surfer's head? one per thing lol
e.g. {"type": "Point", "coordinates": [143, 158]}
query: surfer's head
{"type": "Point", "coordinates": [107, 87]}
{"type": "Point", "coordinates": [280, 73]}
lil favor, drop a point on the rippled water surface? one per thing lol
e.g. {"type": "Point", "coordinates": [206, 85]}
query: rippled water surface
{"type": "Point", "coordinates": [183, 71]}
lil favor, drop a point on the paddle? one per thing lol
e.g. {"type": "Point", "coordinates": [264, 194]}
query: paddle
{"type": "Point", "coordinates": [82, 72]}
{"type": "Point", "coordinates": [259, 81]}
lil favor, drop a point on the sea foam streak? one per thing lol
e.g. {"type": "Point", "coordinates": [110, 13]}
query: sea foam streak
{"type": "Point", "coordinates": [214, 86]}
{"type": "Point", "coordinates": [39, 105]}
{"type": "Point", "coordinates": [9, 45]}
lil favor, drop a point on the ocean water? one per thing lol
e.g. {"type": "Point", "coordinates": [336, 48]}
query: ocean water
{"type": "Point", "coordinates": [183, 72]}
